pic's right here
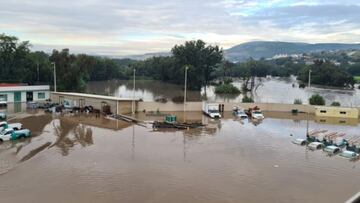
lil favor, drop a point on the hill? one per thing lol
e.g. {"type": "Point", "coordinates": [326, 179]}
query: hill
{"type": "Point", "coordinates": [268, 49]}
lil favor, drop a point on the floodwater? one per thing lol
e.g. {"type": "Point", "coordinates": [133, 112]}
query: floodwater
{"type": "Point", "coordinates": [270, 90]}
{"type": "Point", "coordinates": [88, 159]}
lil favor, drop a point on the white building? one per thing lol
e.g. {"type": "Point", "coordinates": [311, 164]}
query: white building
{"type": "Point", "coordinates": [10, 93]}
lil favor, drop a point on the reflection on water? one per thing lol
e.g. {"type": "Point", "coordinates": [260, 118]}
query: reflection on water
{"type": "Point", "coordinates": [231, 160]}
{"type": "Point", "coordinates": [270, 90]}
{"type": "Point", "coordinates": [337, 121]}
{"type": "Point", "coordinates": [69, 134]}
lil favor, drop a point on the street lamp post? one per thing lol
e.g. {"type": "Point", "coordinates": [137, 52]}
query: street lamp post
{"type": "Point", "coordinates": [55, 90]}
{"type": "Point", "coordinates": [185, 87]}
{"type": "Point", "coordinates": [133, 102]}
{"type": "Point", "coordinates": [308, 112]}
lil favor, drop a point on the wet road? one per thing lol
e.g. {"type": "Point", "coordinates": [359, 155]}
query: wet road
{"type": "Point", "coordinates": [88, 159]}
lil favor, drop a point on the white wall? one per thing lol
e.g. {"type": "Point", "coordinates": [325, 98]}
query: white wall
{"type": "Point", "coordinates": [36, 98]}
{"type": "Point", "coordinates": [23, 96]}
{"type": "Point", "coordinates": [10, 96]}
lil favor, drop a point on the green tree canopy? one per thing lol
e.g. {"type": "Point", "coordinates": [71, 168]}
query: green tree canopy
{"type": "Point", "coordinates": [201, 59]}
{"type": "Point", "coordinates": [317, 100]}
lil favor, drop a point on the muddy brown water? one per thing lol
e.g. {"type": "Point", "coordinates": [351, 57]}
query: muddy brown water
{"type": "Point", "coordinates": [270, 90]}
{"type": "Point", "coordinates": [88, 159]}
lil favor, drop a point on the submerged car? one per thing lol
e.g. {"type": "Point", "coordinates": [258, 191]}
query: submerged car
{"type": "Point", "coordinates": [316, 145]}
{"type": "Point", "coordinates": [299, 141]}
{"type": "Point", "coordinates": [257, 114]}
{"type": "Point", "coordinates": [11, 134]}
{"type": "Point", "coordinates": [332, 149]}
{"type": "Point", "coordinates": [349, 154]}
{"type": "Point", "coordinates": [240, 113]}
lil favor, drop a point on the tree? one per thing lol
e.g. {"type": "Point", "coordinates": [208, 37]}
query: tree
{"type": "Point", "coordinates": [227, 88]}
{"type": "Point", "coordinates": [317, 100]}
{"type": "Point", "coordinates": [13, 58]}
{"type": "Point", "coordinates": [326, 73]}
{"type": "Point", "coordinates": [200, 59]}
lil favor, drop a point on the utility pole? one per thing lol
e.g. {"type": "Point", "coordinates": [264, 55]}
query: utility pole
{"type": "Point", "coordinates": [308, 112]}
{"type": "Point", "coordinates": [38, 73]}
{"type": "Point", "coordinates": [54, 76]}
{"type": "Point", "coordinates": [185, 87]}
{"type": "Point", "coordinates": [133, 103]}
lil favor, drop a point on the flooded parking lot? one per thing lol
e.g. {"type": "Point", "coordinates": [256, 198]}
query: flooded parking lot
{"type": "Point", "coordinates": [89, 159]}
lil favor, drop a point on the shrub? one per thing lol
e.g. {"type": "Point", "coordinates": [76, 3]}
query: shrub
{"type": "Point", "coordinates": [317, 100]}
{"type": "Point", "coordinates": [228, 81]}
{"type": "Point", "coordinates": [297, 101]}
{"type": "Point", "coordinates": [335, 103]}
{"type": "Point", "coordinates": [247, 99]}
{"type": "Point", "coordinates": [226, 89]}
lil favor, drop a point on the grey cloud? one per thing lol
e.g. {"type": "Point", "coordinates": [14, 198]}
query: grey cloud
{"type": "Point", "coordinates": [107, 24]}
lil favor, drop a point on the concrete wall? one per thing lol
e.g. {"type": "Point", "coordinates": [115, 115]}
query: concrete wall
{"type": "Point", "coordinates": [337, 112]}
{"type": "Point", "coordinates": [197, 106]}
{"type": "Point", "coordinates": [125, 107]}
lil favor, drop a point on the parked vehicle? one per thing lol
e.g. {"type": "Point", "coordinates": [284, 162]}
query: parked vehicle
{"type": "Point", "coordinates": [212, 110]}
{"type": "Point", "coordinates": [255, 113]}
{"type": "Point", "coordinates": [11, 134]}
{"type": "Point", "coordinates": [316, 145]}
{"type": "Point", "coordinates": [5, 125]}
{"type": "Point", "coordinates": [3, 103]}
{"type": "Point", "coordinates": [69, 104]}
{"type": "Point", "coordinates": [32, 105]}
{"type": "Point", "coordinates": [2, 115]}
{"type": "Point", "coordinates": [300, 141]}
{"type": "Point", "coordinates": [240, 113]}
{"type": "Point", "coordinates": [349, 154]}
{"type": "Point", "coordinates": [332, 149]}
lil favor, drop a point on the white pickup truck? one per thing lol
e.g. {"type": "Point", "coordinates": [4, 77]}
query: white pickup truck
{"type": "Point", "coordinates": [211, 110]}
{"type": "Point", "coordinates": [5, 125]}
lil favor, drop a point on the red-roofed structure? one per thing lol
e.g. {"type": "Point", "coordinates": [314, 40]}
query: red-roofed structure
{"type": "Point", "coordinates": [10, 85]}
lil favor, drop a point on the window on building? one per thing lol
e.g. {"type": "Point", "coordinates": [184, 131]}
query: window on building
{"type": "Point", "coordinates": [342, 112]}
{"type": "Point", "coordinates": [41, 95]}
{"type": "Point", "coordinates": [322, 111]}
{"type": "Point", "coordinates": [3, 97]}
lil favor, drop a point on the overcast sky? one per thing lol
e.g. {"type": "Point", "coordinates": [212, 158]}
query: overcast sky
{"type": "Point", "coordinates": [124, 27]}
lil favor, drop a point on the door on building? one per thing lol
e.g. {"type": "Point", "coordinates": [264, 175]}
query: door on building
{"type": "Point", "coordinates": [29, 96]}
{"type": "Point", "coordinates": [81, 103]}
{"type": "Point", "coordinates": [61, 100]}
{"type": "Point", "coordinates": [17, 96]}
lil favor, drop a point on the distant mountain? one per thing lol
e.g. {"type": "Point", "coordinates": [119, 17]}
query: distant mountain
{"type": "Point", "coordinates": [268, 49]}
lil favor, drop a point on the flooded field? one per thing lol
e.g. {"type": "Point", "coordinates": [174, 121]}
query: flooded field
{"type": "Point", "coordinates": [274, 90]}
{"type": "Point", "coordinates": [88, 159]}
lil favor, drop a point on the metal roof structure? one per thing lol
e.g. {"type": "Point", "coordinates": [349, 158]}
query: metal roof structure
{"type": "Point", "coordinates": [94, 96]}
